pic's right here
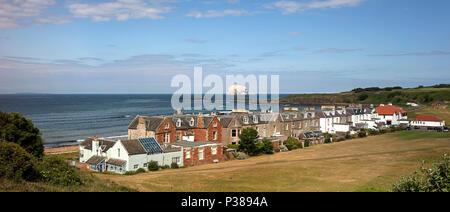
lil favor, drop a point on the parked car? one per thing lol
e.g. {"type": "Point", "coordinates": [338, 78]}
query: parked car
{"type": "Point", "coordinates": [439, 130]}
{"type": "Point", "coordinates": [430, 128]}
{"type": "Point", "coordinates": [445, 129]}
{"type": "Point", "coordinates": [408, 128]}
{"type": "Point", "coordinates": [416, 127]}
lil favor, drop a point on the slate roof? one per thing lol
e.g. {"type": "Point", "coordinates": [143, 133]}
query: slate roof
{"type": "Point", "coordinates": [151, 123]}
{"type": "Point", "coordinates": [133, 147]}
{"type": "Point", "coordinates": [116, 162]}
{"type": "Point", "coordinates": [94, 160]}
{"type": "Point", "coordinates": [225, 120]}
{"type": "Point", "coordinates": [104, 144]}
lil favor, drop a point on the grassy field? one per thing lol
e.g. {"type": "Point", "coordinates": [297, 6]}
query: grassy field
{"type": "Point", "coordinates": [367, 164]}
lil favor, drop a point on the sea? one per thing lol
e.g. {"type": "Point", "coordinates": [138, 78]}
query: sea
{"type": "Point", "coordinates": [65, 119]}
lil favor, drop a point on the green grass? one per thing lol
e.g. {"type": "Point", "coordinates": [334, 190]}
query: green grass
{"type": "Point", "coordinates": [410, 135]}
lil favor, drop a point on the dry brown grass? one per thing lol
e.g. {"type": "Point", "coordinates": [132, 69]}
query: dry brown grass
{"type": "Point", "coordinates": [368, 164]}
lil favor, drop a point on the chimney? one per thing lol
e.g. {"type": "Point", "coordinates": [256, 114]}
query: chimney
{"type": "Point", "coordinates": [95, 146]}
{"type": "Point", "coordinates": [141, 120]}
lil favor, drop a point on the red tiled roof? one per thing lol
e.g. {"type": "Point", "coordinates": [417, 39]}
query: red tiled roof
{"type": "Point", "coordinates": [389, 110]}
{"type": "Point", "coordinates": [426, 118]}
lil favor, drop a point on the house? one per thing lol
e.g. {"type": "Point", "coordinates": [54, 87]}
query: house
{"type": "Point", "coordinates": [412, 104]}
{"type": "Point", "coordinates": [427, 121]}
{"type": "Point", "coordinates": [200, 152]}
{"type": "Point", "coordinates": [391, 115]}
{"type": "Point", "coordinates": [127, 155]}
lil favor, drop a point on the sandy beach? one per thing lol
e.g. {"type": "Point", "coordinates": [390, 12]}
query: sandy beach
{"type": "Point", "coordinates": [61, 150]}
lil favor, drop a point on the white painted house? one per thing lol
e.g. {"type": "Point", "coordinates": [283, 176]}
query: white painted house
{"type": "Point", "coordinates": [427, 121]}
{"type": "Point", "coordinates": [391, 115]}
{"type": "Point", "coordinates": [127, 155]}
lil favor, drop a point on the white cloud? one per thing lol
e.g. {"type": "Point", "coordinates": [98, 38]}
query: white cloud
{"type": "Point", "coordinates": [119, 10]}
{"type": "Point", "coordinates": [15, 13]}
{"type": "Point", "coordinates": [218, 13]}
{"type": "Point", "coordinates": [288, 7]}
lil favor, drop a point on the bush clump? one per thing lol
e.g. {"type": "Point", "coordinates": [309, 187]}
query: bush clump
{"type": "Point", "coordinates": [292, 143]}
{"type": "Point", "coordinates": [433, 179]}
{"type": "Point", "coordinates": [153, 166]}
{"type": "Point", "coordinates": [16, 163]}
{"type": "Point", "coordinates": [55, 170]}
{"type": "Point", "coordinates": [174, 166]}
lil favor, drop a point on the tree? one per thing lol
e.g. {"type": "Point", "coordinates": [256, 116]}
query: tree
{"type": "Point", "coordinates": [153, 166]}
{"type": "Point", "coordinates": [55, 169]}
{"type": "Point", "coordinates": [248, 139]}
{"type": "Point", "coordinates": [267, 146]}
{"type": "Point", "coordinates": [17, 129]}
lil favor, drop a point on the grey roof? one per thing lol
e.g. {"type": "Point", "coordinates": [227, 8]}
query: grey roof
{"type": "Point", "coordinates": [185, 121]}
{"type": "Point", "coordinates": [151, 123]}
{"type": "Point", "coordinates": [94, 160]}
{"type": "Point", "coordinates": [104, 144]}
{"type": "Point", "coordinates": [116, 162]}
{"type": "Point", "coordinates": [133, 147]}
{"type": "Point", "coordinates": [150, 145]}
{"type": "Point", "coordinates": [189, 144]}
{"type": "Point", "coordinates": [225, 120]}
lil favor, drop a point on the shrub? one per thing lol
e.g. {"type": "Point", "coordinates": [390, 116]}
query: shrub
{"type": "Point", "coordinates": [292, 143]}
{"type": "Point", "coordinates": [54, 169]}
{"type": "Point", "coordinates": [153, 166]}
{"type": "Point", "coordinates": [233, 146]}
{"type": "Point", "coordinates": [140, 170]}
{"type": "Point", "coordinates": [240, 155]}
{"type": "Point", "coordinates": [433, 179]}
{"type": "Point", "coordinates": [174, 166]}
{"type": "Point", "coordinates": [16, 163]}
{"type": "Point", "coordinates": [267, 146]}
{"type": "Point", "coordinates": [165, 167]}
{"type": "Point", "coordinates": [307, 143]}
{"type": "Point", "coordinates": [362, 134]}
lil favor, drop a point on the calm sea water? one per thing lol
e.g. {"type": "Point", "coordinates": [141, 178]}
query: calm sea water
{"type": "Point", "coordinates": [63, 118]}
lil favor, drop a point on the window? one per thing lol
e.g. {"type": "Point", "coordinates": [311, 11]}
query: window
{"type": "Point", "coordinates": [145, 164]}
{"type": "Point", "coordinates": [176, 160]}
{"type": "Point", "coordinates": [188, 154]}
{"type": "Point", "coordinates": [246, 119]}
{"type": "Point", "coordinates": [214, 135]}
{"type": "Point", "coordinates": [118, 152]}
{"type": "Point", "coordinates": [166, 138]}
{"type": "Point", "coordinates": [214, 150]}
{"type": "Point", "coordinates": [200, 154]}
{"type": "Point", "coordinates": [191, 123]}
{"type": "Point", "coordinates": [178, 123]}
{"type": "Point", "coordinates": [136, 166]}
{"type": "Point", "coordinates": [255, 119]}
{"type": "Point", "coordinates": [166, 126]}
{"type": "Point", "coordinates": [233, 133]}
{"type": "Point", "coordinates": [287, 126]}
{"type": "Point", "coordinates": [215, 124]}
{"type": "Point", "coordinates": [178, 136]}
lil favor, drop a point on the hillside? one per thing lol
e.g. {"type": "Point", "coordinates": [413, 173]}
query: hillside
{"type": "Point", "coordinates": [422, 95]}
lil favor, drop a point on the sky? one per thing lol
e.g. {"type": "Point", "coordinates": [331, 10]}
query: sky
{"type": "Point", "coordinates": [138, 46]}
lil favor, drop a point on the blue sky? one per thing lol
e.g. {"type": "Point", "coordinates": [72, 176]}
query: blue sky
{"type": "Point", "coordinates": [137, 46]}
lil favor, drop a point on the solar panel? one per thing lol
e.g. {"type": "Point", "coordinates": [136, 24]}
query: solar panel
{"type": "Point", "coordinates": [150, 145]}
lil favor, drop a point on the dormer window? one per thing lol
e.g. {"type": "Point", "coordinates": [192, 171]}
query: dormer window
{"type": "Point", "coordinates": [246, 119]}
{"type": "Point", "coordinates": [191, 123]}
{"type": "Point", "coordinates": [166, 126]}
{"type": "Point", "coordinates": [179, 123]}
{"type": "Point", "coordinates": [255, 119]}
{"type": "Point", "coordinates": [215, 124]}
